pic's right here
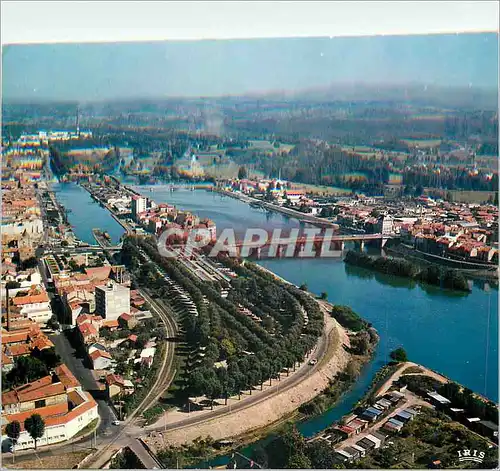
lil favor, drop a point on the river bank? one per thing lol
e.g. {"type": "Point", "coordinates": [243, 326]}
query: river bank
{"type": "Point", "coordinates": [471, 270]}
{"type": "Point", "coordinates": [433, 274]}
{"type": "Point", "coordinates": [270, 410]}
{"type": "Point", "coordinates": [303, 217]}
{"type": "Point", "coordinates": [441, 321]}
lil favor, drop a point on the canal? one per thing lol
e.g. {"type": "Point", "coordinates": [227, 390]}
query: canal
{"type": "Point", "coordinates": [452, 333]}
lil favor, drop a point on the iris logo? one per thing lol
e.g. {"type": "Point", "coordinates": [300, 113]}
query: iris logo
{"type": "Point", "coordinates": [471, 455]}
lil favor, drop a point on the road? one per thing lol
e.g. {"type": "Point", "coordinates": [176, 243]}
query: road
{"type": "Point", "coordinates": [404, 366]}
{"type": "Point", "coordinates": [164, 377]}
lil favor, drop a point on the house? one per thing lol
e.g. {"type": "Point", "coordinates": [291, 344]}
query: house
{"type": "Point", "coordinates": [34, 304]}
{"type": "Point", "coordinates": [360, 449]}
{"type": "Point", "coordinates": [96, 346]}
{"type": "Point", "coordinates": [127, 321]}
{"type": "Point", "coordinates": [344, 455]}
{"type": "Point", "coordinates": [7, 363]}
{"type": "Point", "coordinates": [100, 359]}
{"type": "Point", "coordinates": [63, 419]}
{"type": "Point", "coordinates": [346, 431]}
{"type": "Point", "coordinates": [354, 452]}
{"type": "Point", "coordinates": [383, 404]}
{"type": "Point", "coordinates": [116, 386]}
{"type": "Point", "coordinates": [371, 414]}
{"type": "Point", "coordinates": [147, 356]}
{"type": "Point", "coordinates": [87, 333]}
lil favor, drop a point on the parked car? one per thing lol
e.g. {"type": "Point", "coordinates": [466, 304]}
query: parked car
{"type": "Point", "coordinates": [116, 422]}
{"type": "Point", "coordinates": [313, 362]}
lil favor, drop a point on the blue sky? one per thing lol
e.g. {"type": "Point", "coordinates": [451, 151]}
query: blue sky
{"type": "Point", "coordinates": [219, 67]}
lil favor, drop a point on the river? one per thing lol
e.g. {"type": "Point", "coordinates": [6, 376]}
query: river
{"type": "Point", "coordinates": [452, 333]}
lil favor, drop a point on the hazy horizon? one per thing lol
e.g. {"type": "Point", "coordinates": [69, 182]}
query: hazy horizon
{"type": "Point", "coordinates": [218, 68]}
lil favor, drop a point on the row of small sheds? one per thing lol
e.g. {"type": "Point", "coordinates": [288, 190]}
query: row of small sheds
{"type": "Point", "coordinates": [396, 423]}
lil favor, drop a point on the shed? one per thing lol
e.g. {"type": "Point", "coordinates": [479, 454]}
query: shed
{"type": "Point", "coordinates": [366, 444]}
{"type": "Point", "coordinates": [488, 428]}
{"type": "Point", "coordinates": [403, 416]}
{"type": "Point", "coordinates": [375, 440]}
{"type": "Point", "coordinates": [370, 416]}
{"type": "Point", "coordinates": [438, 399]}
{"type": "Point", "coordinates": [374, 410]}
{"type": "Point", "coordinates": [391, 427]}
{"type": "Point", "coordinates": [362, 451]}
{"type": "Point", "coordinates": [353, 452]}
{"type": "Point", "coordinates": [345, 456]}
{"type": "Point", "coordinates": [357, 425]}
{"type": "Point", "coordinates": [384, 403]}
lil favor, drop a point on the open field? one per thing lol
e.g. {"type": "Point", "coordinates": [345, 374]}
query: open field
{"type": "Point", "coordinates": [268, 146]}
{"type": "Point", "coordinates": [66, 461]}
{"type": "Point", "coordinates": [422, 143]}
{"type": "Point", "coordinates": [472, 196]}
{"type": "Point", "coordinates": [321, 189]}
{"type": "Point", "coordinates": [92, 153]}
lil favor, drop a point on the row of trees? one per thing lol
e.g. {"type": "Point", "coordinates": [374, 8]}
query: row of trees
{"type": "Point", "coordinates": [433, 274]}
{"type": "Point", "coordinates": [255, 351]}
{"type": "Point", "coordinates": [34, 425]}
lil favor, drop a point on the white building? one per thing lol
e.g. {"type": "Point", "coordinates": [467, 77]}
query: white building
{"type": "Point", "coordinates": [112, 300]}
{"type": "Point", "coordinates": [59, 400]}
{"type": "Point", "coordinates": [139, 205]}
{"type": "Point", "coordinates": [35, 306]}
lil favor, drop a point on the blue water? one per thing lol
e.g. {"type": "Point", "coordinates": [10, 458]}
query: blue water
{"type": "Point", "coordinates": [86, 214]}
{"type": "Point", "coordinates": [452, 333]}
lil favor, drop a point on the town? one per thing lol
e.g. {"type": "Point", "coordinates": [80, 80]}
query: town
{"type": "Point", "coordinates": [273, 254]}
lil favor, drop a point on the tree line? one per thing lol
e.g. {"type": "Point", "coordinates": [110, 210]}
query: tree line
{"type": "Point", "coordinates": [433, 274]}
{"type": "Point", "coordinates": [255, 351]}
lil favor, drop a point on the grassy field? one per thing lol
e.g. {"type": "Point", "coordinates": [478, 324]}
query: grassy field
{"type": "Point", "coordinates": [422, 143]}
{"type": "Point", "coordinates": [321, 189]}
{"type": "Point", "coordinates": [472, 196]}
{"type": "Point", "coordinates": [66, 461]}
{"type": "Point", "coordinates": [95, 153]}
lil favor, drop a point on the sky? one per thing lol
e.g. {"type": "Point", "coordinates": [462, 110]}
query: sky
{"type": "Point", "coordinates": [66, 66]}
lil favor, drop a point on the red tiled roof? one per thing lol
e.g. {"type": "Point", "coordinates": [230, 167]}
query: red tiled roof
{"type": "Point", "coordinates": [112, 378]}
{"type": "Point", "coordinates": [87, 330]}
{"type": "Point", "coordinates": [110, 323]}
{"type": "Point", "coordinates": [101, 273]}
{"type": "Point", "coordinates": [99, 353]}
{"type": "Point", "coordinates": [6, 360]}
{"type": "Point", "coordinates": [19, 350]}
{"type": "Point", "coordinates": [33, 391]}
{"type": "Point", "coordinates": [45, 412]}
{"type": "Point", "coordinates": [66, 377]}
{"type": "Point", "coordinates": [34, 298]}
{"type": "Point", "coordinates": [132, 337]}
{"type": "Point", "coordinates": [125, 316]}
{"type": "Point", "coordinates": [42, 342]}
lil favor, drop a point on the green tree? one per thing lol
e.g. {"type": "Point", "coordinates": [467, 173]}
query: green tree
{"type": "Point", "coordinates": [399, 355]}
{"type": "Point", "coordinates": [13, 430]}
{"type": "Point", "coordinates": [35, 426]}
{"type": "Point", "coordinates": [242, 173]}
{"type": "Point", "coordinates": [227, 347]}
{"type": "Point", "coordinates": [324, 295]}
{"type": "Point", "coordinates": [299, 461]}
